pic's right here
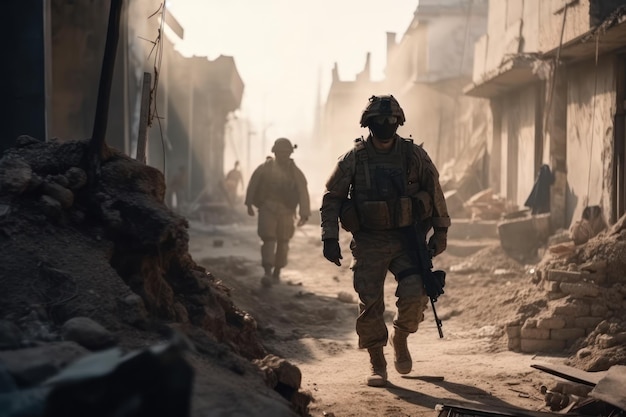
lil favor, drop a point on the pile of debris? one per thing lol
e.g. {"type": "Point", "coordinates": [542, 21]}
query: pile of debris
{"type": "Point", "coordinates": [94, 266]}
{"type": "Point", "coordinates": [585, 312]}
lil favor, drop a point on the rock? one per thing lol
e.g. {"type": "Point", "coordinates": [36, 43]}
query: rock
{"type": "Point", "coordinates": [33, 365]}
{"type": "Point", "coordinates": [133, 311]}
{"type": "Point", "coordinates": [76, 177]}
{"type": "Point", "coordinates": [58, 179]}
{"type": "Point", "coordinates": [59, 193]}
{"type": "Point", "coordinates": [24, 141]}
{"type": "Point", "coordinates": [51, 207]}
{"type": "Point", "coordinates": [87, 333]}
{"type": "Point", "coordinates": [283, 371]}
{"type": "Point", "coordinates": [15, 175]}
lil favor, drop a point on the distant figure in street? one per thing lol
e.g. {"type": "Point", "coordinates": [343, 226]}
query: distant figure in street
{"type": "Point", "coordinates": [277, 187]}
{"type": "Point", "coordinates": [232, 181]}
{"type": "Point", "coordinates": [175, 192]}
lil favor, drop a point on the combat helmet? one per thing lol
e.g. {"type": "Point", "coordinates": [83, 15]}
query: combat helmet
{"type": "Point", "coordinates": [283, 144]}
{"type": "Point", "coordinates": [385, 105]}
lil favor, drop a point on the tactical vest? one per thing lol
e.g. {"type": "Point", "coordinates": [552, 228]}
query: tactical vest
{"type": "Point", "coordinates": [379, 188]}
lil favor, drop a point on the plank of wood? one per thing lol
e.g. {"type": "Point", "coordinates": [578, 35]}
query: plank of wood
{"type": "Point", "coordinates": [570, 373]}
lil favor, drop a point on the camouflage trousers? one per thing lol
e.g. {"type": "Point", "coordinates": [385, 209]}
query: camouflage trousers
{"type": "Point", "coordinates": [275, 228]}
{"type": "Point", "coordinates": [374, 254]}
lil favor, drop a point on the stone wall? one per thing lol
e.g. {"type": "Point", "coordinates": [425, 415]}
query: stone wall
{"type": "Point", "coordinates": [578, 301]}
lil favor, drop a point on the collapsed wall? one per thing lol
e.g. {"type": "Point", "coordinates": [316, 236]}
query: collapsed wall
{"type": "Point", "coordinates": [585, 312]}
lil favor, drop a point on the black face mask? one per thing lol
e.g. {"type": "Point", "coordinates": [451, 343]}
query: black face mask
{"type": "Point", "coordinates": [385, 131]}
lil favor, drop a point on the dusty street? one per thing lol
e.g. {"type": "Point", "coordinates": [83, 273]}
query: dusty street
{"type": "Point", "coordinates": [309, 319]}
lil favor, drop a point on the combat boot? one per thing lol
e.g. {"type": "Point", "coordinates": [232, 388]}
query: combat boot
{"type": "Point", "coordinates": [276, 274]}
{"type": "Point", "coordinates": [401, 355]}
{"type": "Point", "coordinates": [378, 377]}
{"type": "Point", "coordinates": [266, 281]}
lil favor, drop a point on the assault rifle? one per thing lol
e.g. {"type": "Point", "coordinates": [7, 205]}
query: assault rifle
{"type": "Point", "coordinates": [434, 281]}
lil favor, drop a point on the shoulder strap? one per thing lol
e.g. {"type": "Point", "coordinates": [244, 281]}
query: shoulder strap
{"type": "Point", "coordinates": [361, 156]}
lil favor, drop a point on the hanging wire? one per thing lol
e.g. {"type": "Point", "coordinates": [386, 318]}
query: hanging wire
{"type": "Point", "coordinates": [157, 50]}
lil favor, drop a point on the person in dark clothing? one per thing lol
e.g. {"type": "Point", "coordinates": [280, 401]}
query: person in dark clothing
{"type": "Point", "coordinates": [539, 199]}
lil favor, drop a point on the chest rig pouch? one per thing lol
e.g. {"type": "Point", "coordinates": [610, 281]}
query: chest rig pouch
{"type": "Point", "coordinates": [379, 188]}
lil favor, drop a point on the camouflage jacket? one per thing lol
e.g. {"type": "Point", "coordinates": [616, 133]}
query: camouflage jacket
{"type": "Point", "coordinates": [285, 185]}
{"type": "Point", "coordinates": [421, 175]}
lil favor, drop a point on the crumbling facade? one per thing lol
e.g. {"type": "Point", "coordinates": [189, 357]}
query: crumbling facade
{"type": "Point", "coordinates": [427, 70]}
{"type": "Point", "coordinates": [191, 97]}
{"type": "Point", "coordinates": [339, 121]}
{"type": "Point", "coordinates": [553, 73]}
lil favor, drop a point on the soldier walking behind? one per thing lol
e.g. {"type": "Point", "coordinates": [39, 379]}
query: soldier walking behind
{"type": "Point", "coordinates": [277, 187]}
{"type": "Point", "coordinates": [378, 190]}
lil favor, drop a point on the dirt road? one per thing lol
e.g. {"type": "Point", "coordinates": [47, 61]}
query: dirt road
{"type": "Point", "coordinates": [308, 318]}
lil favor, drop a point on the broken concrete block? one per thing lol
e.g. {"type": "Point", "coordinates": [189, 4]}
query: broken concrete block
{"type": "Point", "coordinates": [531, 333]}
{"type": "Point", "coordinates": [567, 334]}
{"type": "Point", "coordinates": [546, 345]}
{"type": "Point", "coordinates": [513, 332]}
{"type": "Point", "coordinates": [571, 307]}
{"type": "Point", "coordinates": [514, 343]}
{"type": "Point", "coordinates": [559, 275]}
{"type": "Point", "coordinates": [551, 323]}
{"type": "Point", "coordinates": [588, 323]}
{"type": "Point", "coordinates": [579, 289]}
{"type": "Point", "coordinates": [551, 286]}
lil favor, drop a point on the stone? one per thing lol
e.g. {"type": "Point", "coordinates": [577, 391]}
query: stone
{"type": "Point", "coordinates": [87, 333]}
{"type": "Point", "coordinates": [15, 175]}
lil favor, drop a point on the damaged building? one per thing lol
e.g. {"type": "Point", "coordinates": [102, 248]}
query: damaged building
{"type": "Point", "coordinates": [554, 75]}
{"type": "Point", "coordinates": [191, 97]}
{"type": "Point", "coordinates": [427, 83]}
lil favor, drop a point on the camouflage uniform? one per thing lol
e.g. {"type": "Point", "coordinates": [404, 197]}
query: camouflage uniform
{"type": "Point", "coordinates": [376, 251]}
{"type": "Point", "coordinates": [378, 190]}
{"type": "Point", "coordinates": [277, 191]}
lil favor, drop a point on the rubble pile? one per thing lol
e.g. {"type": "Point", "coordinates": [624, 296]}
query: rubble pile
{"type": "Point", "coordinates": [585, 289]}
{"type": "Point", "coordinates": [485, 205]}
{"type": "Point", "coordinates": [105, 264]}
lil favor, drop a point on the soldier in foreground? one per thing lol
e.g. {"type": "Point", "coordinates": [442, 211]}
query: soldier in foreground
{"type": "Point", "coordinates": [277, 187]}
{"type": "Point", "coordinates": [378, 191]}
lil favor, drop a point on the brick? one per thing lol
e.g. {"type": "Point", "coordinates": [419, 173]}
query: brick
{"type": "Point", "coordinates": [587, 322]}
{"type": "Point", "coordinates": [514, 343]}
{"type": "Point", "coordinates": [551, 286]}
{"type": "Point", "coordinates": [530, 333]}
{"type": "Point", "coordinates": [551, 323]}
{"type": "Point", "coordinates": [567, 334]}
{"type": "Point", "coordinates": [566, 276]}
{"type": "Point", "coordinates": [605, 341]}
{"type": "Point", "coordinates": [530, 324]}
{"type": "Point", "coordinates": [579, 289]}
{"type": "Point", "coordinates": [513, 331]}
{"type": "Point", "coordinates": [571, 308]}
{"type": "Point", "coordinates": [555, 295]}
{"type": "Point", "coordinates": [599, 310]}
{"type": "Point", "coordinates": [535, 345]}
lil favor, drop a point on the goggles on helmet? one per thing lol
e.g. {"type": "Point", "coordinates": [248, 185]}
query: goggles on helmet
{"type": "Point", "coordinates": [392, 120]}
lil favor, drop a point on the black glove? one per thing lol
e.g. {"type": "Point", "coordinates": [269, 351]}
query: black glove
{"type": "Point", "coordinates": [438, 242]}
{"type": "Point", "coordinates": [332, 251]}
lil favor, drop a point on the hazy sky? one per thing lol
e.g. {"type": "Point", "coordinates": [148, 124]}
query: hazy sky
{"type": "Point", "coordinates": [284, 49]}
